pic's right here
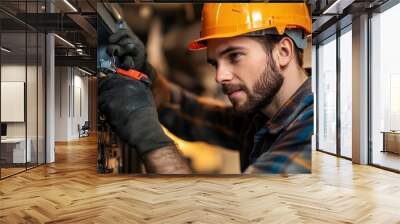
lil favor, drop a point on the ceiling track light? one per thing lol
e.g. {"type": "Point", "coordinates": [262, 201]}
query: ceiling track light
{"type": "Point", "coordinates": [70, 5]}
{"type": "Point", "coordinates": [65, 41]}
{"type": "Point", "coordinates": [337, 7]}
{"type": "Point", "coordinates": [5, 50]}
{"type": "Point", "coordinates": [84, 71]}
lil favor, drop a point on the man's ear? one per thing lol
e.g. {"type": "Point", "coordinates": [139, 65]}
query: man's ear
{"type": "Point", "coordinates": [285, 52]}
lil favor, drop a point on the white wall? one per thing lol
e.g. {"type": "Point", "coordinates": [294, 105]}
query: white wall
{"type": "Point", "coordinates": [80, 104]}
{"type": "Point", "coordinates": [16, 72]}
{"type": "Point", "coordinates": [61, 103]}
{"type": "Point", "coordinates": [11, 73]}
{"type": "Point", "coordinates": [33, 127]}
{"type": "Point", "coordinates": [71, 94]}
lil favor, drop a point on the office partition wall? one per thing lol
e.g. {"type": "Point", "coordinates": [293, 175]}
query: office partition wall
{"type": "Point", "coordinates": [22, 66]}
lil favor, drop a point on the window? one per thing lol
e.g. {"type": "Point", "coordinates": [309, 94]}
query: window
{"type": "Point", "coordinates": [327, 95]}
{"type": "Point", "coordinates": [385, 89]}
{"type": "Point", "coordinates": [346, 92]}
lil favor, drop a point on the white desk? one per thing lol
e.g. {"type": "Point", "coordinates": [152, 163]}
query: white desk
{"type": "Point", "coordinates": [17, 146]}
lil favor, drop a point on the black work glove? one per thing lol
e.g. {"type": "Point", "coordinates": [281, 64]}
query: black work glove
{"type": "Point", "coordinates": [130, 110]}
{"type": "Point", "coordinates": [131, 52]}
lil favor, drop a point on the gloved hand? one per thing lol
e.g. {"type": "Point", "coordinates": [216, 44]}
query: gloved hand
{"type": "Point", "coordinates": [131, 52]}
{"type": "Point", "coordinates": [130, 110]}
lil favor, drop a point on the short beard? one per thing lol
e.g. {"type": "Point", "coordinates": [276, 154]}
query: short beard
{"type": "Point", "coordinates": [265, 88]}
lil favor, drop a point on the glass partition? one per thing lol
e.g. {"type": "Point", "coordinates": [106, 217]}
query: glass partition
{"type": "Point", "coordinates": [14, 151]}
{"type": "Point", "coordinates": [22, 67]}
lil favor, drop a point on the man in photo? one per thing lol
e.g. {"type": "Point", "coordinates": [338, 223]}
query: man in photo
{"type": "Point", "coordinates": [257, 52]}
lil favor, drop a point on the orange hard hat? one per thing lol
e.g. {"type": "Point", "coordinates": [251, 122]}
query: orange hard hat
{"type": "Point", "coordinates": [221, 20]}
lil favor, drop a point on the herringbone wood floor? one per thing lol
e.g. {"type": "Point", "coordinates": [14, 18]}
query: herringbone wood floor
{"type": "Point", "coordinates": [70, 191]}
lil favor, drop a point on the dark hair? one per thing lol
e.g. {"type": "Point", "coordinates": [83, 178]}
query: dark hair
{"type": "Point", "coordinates": [269, 41]}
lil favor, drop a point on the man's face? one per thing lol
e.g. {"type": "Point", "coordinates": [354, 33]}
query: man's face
{"type": "Point", "coordinates": [248, 75]}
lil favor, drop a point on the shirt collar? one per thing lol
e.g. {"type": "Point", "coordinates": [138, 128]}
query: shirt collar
{"type": "Point", "coordinates": [302, 98]}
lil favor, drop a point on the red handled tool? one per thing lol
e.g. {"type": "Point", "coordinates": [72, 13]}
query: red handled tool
{"type": "Point", "coordinates": [131, 73]}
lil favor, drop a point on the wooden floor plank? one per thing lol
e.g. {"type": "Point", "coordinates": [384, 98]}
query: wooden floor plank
{"type": "Point", "coordinates": [70, 191]}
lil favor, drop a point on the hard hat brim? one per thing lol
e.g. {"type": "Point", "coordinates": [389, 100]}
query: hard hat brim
{"type": "Point", "coordinates": [198, 44]}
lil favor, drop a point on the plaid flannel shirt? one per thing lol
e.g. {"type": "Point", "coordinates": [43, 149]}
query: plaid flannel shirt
{"type": "Point", "coordinates": [281, 144]}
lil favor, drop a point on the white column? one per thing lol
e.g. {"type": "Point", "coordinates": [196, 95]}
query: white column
{"type": "Point", "coordinates": [360, 90]}
{"type": "Point", "coordinates": [50, 92]}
